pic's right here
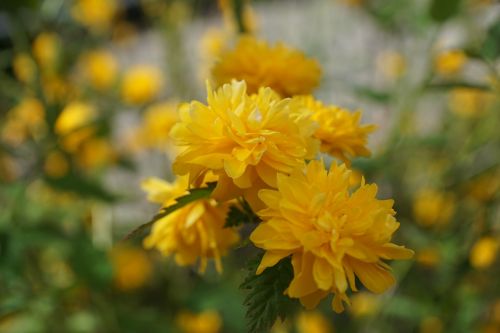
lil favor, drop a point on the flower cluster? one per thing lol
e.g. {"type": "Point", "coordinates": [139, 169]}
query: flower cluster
{"type": "Point", "coordinates": [260, 140]}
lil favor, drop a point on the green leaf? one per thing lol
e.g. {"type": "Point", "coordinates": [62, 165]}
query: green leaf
{"type": "Point", "coordinates": [193, 195]}
{"type": "Point", "coordinates": [266, 301]}
{"type": "Point", "coordinates": [442, 10]}
{"type": "Point", "coordinates": [82, 186]}
{"type": "Point", "coordinates": [491, 46]}
{"type": "Point", "coordinates": [239, 214]}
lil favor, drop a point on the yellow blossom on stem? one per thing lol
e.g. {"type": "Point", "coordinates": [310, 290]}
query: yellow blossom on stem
{"type": "Point", "coordinates": [100, 69]}
{"type": "Point", "coordinates": [24, 68]}
{"type": "Point", "coordinates": [364, 304]}
{"type": "Point", "coordinates": [46, 50]}
{"type": "Point", "coordinates": [158, 120]}
{"type": "Point", "coordinates": [287, 71]}
{"type": "Point", "coordinates": [245, 140]}
{"type": "Point", "coordinates": [141, 84]}
{"type": "Point", "coordinates": [204, 322]}
{"type": "Point", "coordinates": [450, 62]}
{"type": "Point", "coordinates": [24, 120]}
{"type": "Point", "coordinates": [95, 14]}
{"type": "Point", "coordinates": [339, 130]}
{"type": "Point", "coordinates": [131, 267]}
{"type": "Point", "coordinates": [313, 322]}
{"type": "Point", "coordinates": [74, 124]}
{"type": "Point", "coordinates": [433, 208]}
{"type": "Point", "coordinates": [484, 252]}
{"type": "Point", "coordinates": [471, 102]}
{"type": "Point", "coordinates": [333, 234]}
{"type": "Point", "coordinates": [194, 232]}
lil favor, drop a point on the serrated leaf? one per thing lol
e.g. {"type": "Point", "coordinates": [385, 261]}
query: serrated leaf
{"type": "Point", "coordinates": [266, 301]}
{"type": "Point", "coordinates": [239, 214]}
{"type": "Point", "coordinates": [193, 195]}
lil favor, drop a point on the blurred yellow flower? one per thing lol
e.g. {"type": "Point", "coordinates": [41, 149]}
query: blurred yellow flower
{"type": "Point", "coordinates": [431, 324]}
{"type": "Point", "coordinates": [24, 68]}
{"type": "Point", "coordinates": [428, 257]}
{"type": "Point", "coordinates": [74, 116]}
{"type": "Point", "coordinates": [25, 119]}
{"type": "Point", "coordinates": [131, 267]}
{"type": "Point", "coordinates": [96, 152]}
{"type": "Point", "coordinates": [364, 304]}
{"type": "Point", "coordinates": [95, 14]}
{"type": "Point", "coordinates": [485, 187]}
{"type": "Point", "coordinates": [432, 207]}
{"type": "Point", "coordinates": [141, 84]}
{"type": "Point", "coordinates": [100, 69]}
{"type": "Point", "coordinates": [212, 44]}
{"type": "Point", "coordinates": [157, 122]}
{"type": "Point", "coordinates": [450, 62]}
{"type": "Point", "coordinates": [56, 165]}
{"type": "Point", "coordinates": [46, 50]}
{"type": "Point", "coordinates": [484, 252]}
{"type": "Point", "coordinates": [339, 130]}
{"type": "Point", "coordinates": [74, 124]}
{"type": "Point", "coordinates": [334, 234]}
{"type": "Point", "coordinates": [470, 102]}
{"type": "Point", "coordinates": [58, 90]}
{"type": "Point", "coordinates": [207, 321]}
{"type": "Point", "coordinates": [313, 322]}
{"type": "Point", "coordinates": [287, 71]}
{"type": "Point", "coordinates": [246, 140]}
{"type": "Point", "coordinates": [392, 64]}
{"type": "Point", "coordinates": [191, 233]}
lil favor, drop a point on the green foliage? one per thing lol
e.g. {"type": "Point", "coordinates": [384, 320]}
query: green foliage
{"type": "Point", "coordinates": [491, 46]}
{"type": "Point", "coordinates": [240, 214]}
{"type": "Point", "coordinates": [442, 10]}
{"type": "Point", "coordinates": [266, 301]}
{"type": "Point", "coordinates": [193, 195]}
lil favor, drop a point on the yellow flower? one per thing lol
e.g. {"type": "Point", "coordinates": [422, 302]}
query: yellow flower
{"type": "Point", "coordinates": [73, 124]}
{"type": "Point", "coordinates": [333, 234]}
{"type": "Point", "coordinates": [96, 152]}
{"type": "Point", "coordinates": [484, 252]}
{"type": "Point", "coordinates": [131, 267]}
{"type": "Point", "coordinates": [245, 140]}
{"type": "Point", "coordinates": [46, 50]}
{"type": "Point", "coordinates": [485, 187]}
{"type": "Point", "coordinates": [24, 68]}
{"type": "Point", "coordinates": [431, 324]}
{"type": "Point", "coordinates": [391, 64]}
{"type": "Point", "coordinates": [428, 257]}
{"type": "Point", "coordinates": [56, 165]}
{"type": "Point", "coordinates": [95, 14]}
{"type": "Point", "coordinates": [100, 69]}
{"type": "Point", "coordinates": [364, 304]}
{"type": "Point", "coordinates": [26, 119]}
{"type": "Point", "coordinates": [141, 84]}
{"type": "Point", "coordinates": [432, 207]}
{"type": "Point", "coordinates": [313, 322]}
{"type": "Point", "coordinates": [471, 102]}
{"type": "Point", "coordinates": [450, 62]}
{"type": "Point", "coordinates": [195, 231]}
{"type": "Point", "coordinates": [57, 89]}
{"type": "Point", "coordinates": [212, 44]}
{"type": "Point", "coordinates": [207, 321]}
{"type": "Point", "coordinates": [339, 130]}
{"type": "Point", "coordinates": [286, 71]}
{"type": "Point", "coordinates": [158, 120]}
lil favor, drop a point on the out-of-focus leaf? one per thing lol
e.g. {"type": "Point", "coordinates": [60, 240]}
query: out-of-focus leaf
{"type": "Point", "coordinates": [12, 5]}
{"type": "Point", "coordinates": [240, 214]}
{"type": "Point", "coordinates": [442, 10]}
{"type": "Point", "coordinates": [372, 94]}
{"type": "Point", "coordinates": [82, 186]}
{"type": "Point", "coordinates": [491, 46]}
{"type": "Point", "coordinates": [265, 301]}
{"type": "Point", "coordinates": [194, 194]}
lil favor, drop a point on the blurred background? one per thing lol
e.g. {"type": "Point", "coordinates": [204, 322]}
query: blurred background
{"type": "Point", "coordinates": [89, 90]}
